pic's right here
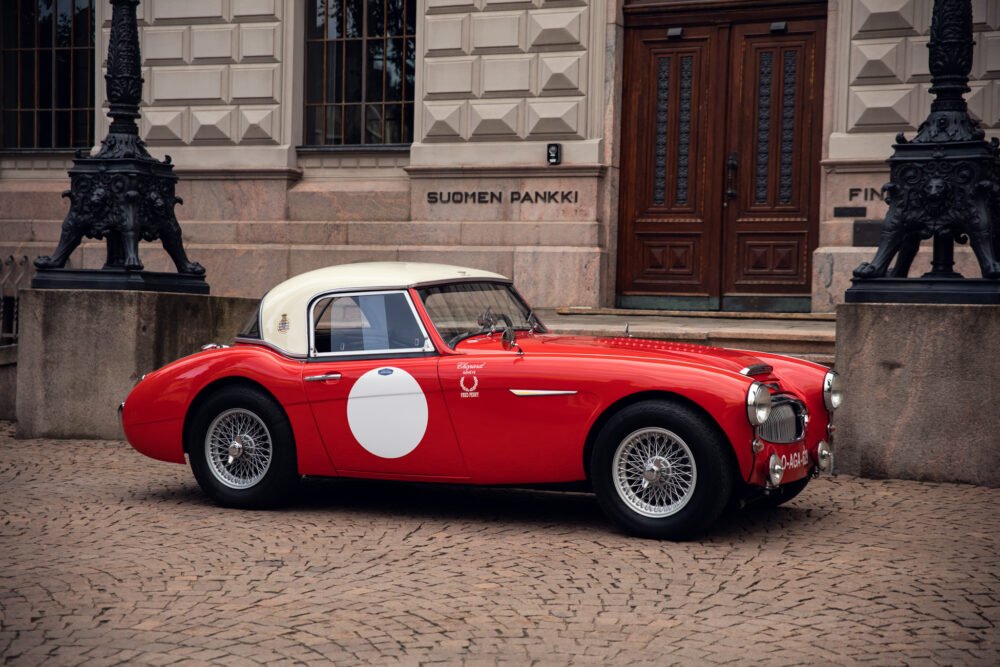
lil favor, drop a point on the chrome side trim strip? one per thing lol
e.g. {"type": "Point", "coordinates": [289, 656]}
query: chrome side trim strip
{"type": "Point", "coordinates": [541, 392]}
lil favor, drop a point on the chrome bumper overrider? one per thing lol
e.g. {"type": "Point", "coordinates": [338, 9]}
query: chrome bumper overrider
{"type": "Point", "coordinates": [121, 423]}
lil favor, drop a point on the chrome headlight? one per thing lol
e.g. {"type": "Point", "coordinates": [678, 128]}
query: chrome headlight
{"type": "Point", "coordinates": [833, 391]}
{"type": "Point", "coordinates": [825, 455]}
{"type": "Point", "coordinates": [775, 470]}
{"type": "Point", "coordinates": [758, 404]}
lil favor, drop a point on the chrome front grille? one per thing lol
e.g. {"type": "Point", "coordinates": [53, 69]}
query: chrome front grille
{"type": "Point", "coordinates": [786, 423]}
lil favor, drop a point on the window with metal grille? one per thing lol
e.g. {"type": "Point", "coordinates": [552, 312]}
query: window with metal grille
{"type": "Point", "coordinates": [46, 73]}
{"type": "Point", "coordinates": [360, 57]}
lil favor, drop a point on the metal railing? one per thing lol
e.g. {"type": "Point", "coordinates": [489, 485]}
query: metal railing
{"type": "Point", "coordinates": [13, 276]}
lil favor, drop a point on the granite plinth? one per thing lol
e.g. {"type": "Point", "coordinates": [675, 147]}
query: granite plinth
{"type": "Point", "coordinates": [81, 352]}
{"type": "Point", "coordinates": [924, 290]}
{"type": "Point", "coordinates": [119, 279]}
{"type": "Point", "coordinates": [8, 380]}
{"type": "Point", "coordinates": [922, 388]}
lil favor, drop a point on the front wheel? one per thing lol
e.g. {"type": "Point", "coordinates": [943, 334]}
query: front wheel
{"type": "Point", "coordinates": [241, 449]}
{"type": "Point", "coordinates": [662, 470]}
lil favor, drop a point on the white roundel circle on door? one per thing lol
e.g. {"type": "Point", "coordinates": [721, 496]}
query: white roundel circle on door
{"type": "Point", "coordinates": [387, 412]}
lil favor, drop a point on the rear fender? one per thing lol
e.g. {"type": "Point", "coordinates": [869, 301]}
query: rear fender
{"type": "Point", "coordinates": [158, 411]}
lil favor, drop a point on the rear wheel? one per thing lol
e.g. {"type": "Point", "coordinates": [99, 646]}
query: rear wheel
{"type": "Point", "coordinates": [662, 470]}
{"type": "Point", "coordinates": [241, 449]}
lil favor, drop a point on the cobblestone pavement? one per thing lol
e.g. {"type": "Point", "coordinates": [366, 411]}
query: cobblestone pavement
{"type": "Point", "coordinates": [108, 557]}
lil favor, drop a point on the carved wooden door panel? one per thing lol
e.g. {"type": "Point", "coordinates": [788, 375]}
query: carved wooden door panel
{"type": "Point", "coordinates": [769, 229]}
{"type": "Point", "coordinates": [718, 202]}
{"type": "Point", "coordinates": [670, 146]}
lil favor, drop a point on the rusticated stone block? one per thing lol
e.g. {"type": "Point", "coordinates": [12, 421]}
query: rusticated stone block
{"type": "Point", "coordinates": [446, 35]}
{"type": "Point", "coordinates": [873, 16]}
{"type": "Point", "coordinates": [882, 108]}
{"type": "Point", "coordinates": [922, 389]}
{"type": "Point", "coordinates": [877, 61]}
{"type": "Point", "coordinates": [444, 119]}
{"type": "Point", "coordinates": [163, 125]}
{"type": "Point", "coordinates": [81, 351]}
{"type": "Point", "coordinates": [494, 119]}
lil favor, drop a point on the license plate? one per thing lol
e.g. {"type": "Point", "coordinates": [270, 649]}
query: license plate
{"type": "Point", "coordinates": [796, 460]}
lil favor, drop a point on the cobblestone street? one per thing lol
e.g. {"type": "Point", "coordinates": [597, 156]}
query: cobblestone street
{"type": "Point", "coordinates": [108, 557]}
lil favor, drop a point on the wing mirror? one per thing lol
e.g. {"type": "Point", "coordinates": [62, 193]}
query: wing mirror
{"type": "Point", "coordinates": [510, 340]}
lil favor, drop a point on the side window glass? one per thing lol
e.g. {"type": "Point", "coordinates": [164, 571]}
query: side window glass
{"type": "Point", "coordinates": [364, 324]}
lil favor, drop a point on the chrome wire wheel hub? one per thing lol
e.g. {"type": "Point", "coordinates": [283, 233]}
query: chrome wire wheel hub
{"type": "Point", "coordinates": [654, 472]}
{"type": "Point", "coordinates": [238, 448]}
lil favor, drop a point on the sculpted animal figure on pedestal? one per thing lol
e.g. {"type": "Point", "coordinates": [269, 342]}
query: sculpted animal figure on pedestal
{"type": "Point", "coordinates": [924, 203]}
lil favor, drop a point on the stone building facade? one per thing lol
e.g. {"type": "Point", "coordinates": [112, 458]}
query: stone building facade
{"type": "Point", "coordinates": [712, 155]}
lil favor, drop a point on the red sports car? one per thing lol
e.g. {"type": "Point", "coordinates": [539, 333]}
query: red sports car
{"type": "Point", "coordinates": [427, 372]}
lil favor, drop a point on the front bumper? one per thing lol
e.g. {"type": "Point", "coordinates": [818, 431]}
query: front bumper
{"type": "Point", "coordinates": [796, 460]}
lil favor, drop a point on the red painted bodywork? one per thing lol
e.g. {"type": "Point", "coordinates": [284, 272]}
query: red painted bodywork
{"type": "Point", "coordinates": [492, 437]}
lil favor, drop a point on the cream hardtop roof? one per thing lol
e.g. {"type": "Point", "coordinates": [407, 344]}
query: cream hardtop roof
{"type": "Point", "coordinates": [283, 316]}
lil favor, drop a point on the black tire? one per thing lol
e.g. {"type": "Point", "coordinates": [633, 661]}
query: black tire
{"type": "Point", "coordinates": [785, 493]}
{"type": "Point", "coordinates": [707, 491]}
{"type": "Point", "coordinates": [260, 476]}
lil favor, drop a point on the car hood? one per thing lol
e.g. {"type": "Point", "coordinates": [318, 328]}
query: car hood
{"type": "Point", "coordinates": [735, 361]}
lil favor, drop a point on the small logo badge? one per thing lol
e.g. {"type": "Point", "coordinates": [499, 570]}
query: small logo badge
{"type": "Point", "coordinates": [283, 323]}
{"type": "Point", "coordinates": [467, 391]}
{"type": "Point", "coordinates": [385, 371]}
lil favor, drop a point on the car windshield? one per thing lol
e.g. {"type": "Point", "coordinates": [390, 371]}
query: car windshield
{"type": "Point", "coordinates": [461, 310]}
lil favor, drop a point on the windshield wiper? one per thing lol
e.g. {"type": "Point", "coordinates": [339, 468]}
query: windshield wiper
{"type": "Point", "coordinates": [487, 322]}
{"type": "Point", "coordinates": [533, 323]}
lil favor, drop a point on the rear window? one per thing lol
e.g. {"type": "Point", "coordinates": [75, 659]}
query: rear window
{"type": "Point", "coordinates": [251, 328]}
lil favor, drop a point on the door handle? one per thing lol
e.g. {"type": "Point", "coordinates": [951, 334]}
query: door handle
{"type": "Point", "coordinates": [732, 164]}
{"type": "Point", "coordinates": [322, 378]}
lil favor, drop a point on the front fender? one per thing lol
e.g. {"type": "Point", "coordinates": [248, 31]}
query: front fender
{"type": "Point", "coordinates": [720, 394]}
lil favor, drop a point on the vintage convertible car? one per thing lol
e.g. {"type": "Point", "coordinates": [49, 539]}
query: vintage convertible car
{"type": "Point", "coordinates": [437, 373]}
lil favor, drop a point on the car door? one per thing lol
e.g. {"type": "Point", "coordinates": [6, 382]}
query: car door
{"type": "Point", "coordinates": [518, 418]}
{"type": "Point", "coordinates": [371, 381]}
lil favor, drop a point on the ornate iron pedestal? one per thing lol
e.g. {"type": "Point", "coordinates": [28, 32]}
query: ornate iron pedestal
{"type": "Point", "coordinates": [122, 195]}
{"type": "Point", "coordinates": [944, 184]}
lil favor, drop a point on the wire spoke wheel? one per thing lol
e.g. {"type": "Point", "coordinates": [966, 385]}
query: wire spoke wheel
{"type": "Point", "coordinates": [654, 472]}
{"type": "Point", "coordinates": [238, 448]}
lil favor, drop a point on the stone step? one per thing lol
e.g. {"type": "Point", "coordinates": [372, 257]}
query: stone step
{"type": "Point", "coordinates": [711, 314]}
{"type": "Point", "coordinates": [809, 338]}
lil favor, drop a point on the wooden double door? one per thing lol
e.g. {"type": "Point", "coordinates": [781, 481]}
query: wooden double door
{"type": "Point", "coordinates": [721, 138]}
